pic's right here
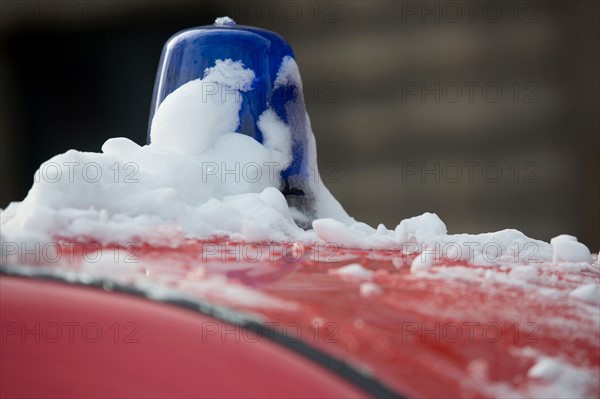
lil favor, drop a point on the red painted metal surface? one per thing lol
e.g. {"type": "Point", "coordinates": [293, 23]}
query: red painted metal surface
{"type": "Point", "coordinates": [458, 330]}
{"type": "Point", "coordinates": [69, 341]}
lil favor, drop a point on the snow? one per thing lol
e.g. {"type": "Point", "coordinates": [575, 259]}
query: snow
{"type": "Point", "coordinates": [219, 288]}
{"type": "Point", "coordinates": [427, 224]}
{"type": "Point", "coordinates": [559, 379]}
{"type": "Point", "coordinates": [191, 118]}
{"type": "Point", "coordinates": [562, 237]}
{"type": "Point", "coordinates": [546, 369]}
{"type": "Point", "coordinates": [567, 249]}
{"type": "Point", "coordinates": [426, 234]}
{"type": "Point", "coordinates": [353, 236]}
{"type": "Point", "coordinates": [370, 290]}
{"type": "Point", "coordinates": [224, 21]}
{"type": "Point", "coordinates": [200, 179]}
{"type": "Point", "coordinates": [421, 263]}
{"type": "Point", "coordinates": [353, 271]}
{"type": "Point", "coordinates": [589, 293]}
{"type": "Point", "coordinates": [288, 74]}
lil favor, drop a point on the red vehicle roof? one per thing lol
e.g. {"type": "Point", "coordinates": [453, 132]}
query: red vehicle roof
{"type": "Point", "coordinates": [458, 330]}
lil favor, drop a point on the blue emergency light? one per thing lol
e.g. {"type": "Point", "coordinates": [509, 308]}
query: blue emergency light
{"type": "Point", "coordinates": [188, 53]}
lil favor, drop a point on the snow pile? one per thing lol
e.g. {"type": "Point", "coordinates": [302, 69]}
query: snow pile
{"type": "Point", "coordinates": [427, 236]}
{"type": "Point", "coordinates": [200, 179]}
{"type": "Point", "coordinates": [370, 290]}
{"type": "Point", "coordinates": [567, 249]}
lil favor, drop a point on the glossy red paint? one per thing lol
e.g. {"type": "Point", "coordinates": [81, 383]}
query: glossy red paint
{"type": "Point", "coordinates": [459, 330]}
{"type": "Point", "coordinates": [69, 341]}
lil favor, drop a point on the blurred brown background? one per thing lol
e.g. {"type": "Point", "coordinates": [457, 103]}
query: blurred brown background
{"type": "Point", "coordinates": [483, 112]}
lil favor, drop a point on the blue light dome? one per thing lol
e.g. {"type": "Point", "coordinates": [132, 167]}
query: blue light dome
{"type": "Point", "coordinates": [188, 53]}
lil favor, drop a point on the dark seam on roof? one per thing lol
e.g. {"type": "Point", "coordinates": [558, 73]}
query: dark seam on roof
{"type": "Point", "coordinates": [346, 371]}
